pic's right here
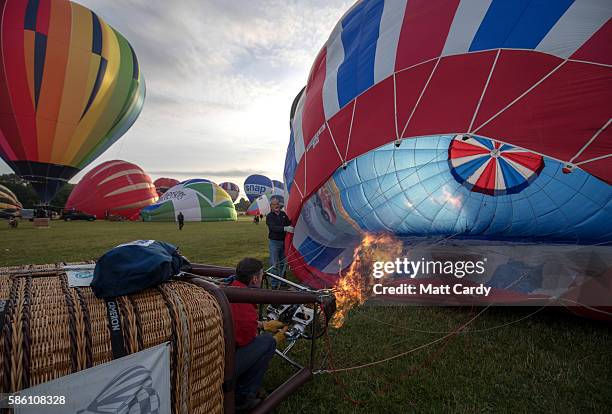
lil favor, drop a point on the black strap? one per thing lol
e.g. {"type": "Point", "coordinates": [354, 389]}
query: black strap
{"type": "Point", "coordinates": [114, 326]}
{"type": "Point", "coordinates": [3, 303]}
{"type": "Point", "coordinates": [228, 385]}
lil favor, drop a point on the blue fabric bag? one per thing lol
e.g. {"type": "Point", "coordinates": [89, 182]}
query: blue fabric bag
{"type": "Point", "coordinates": [135, 266]}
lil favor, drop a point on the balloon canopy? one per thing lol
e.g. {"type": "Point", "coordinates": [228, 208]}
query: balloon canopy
{"type": "Point", "coordinates": [256, 185]}
{"type": "Point", "coordinates": [196, 180]}
{"type": "Point", "coordinates": [453, 119]}
{"type": "Point", "coordinates": [163, 184]}
{"type": "Point", "coordinates": [232, 189]}
{"type": "Point", "coordinates": [198, 200]}
{"type": "Point", "coordinates": [278, 184]}
{"type": "Point", "coordinates": [8, 201]}
{"type": "Point", "coordinates": [113, 188]}
{"type": "Point", "coordinates": [70, 86]}
{"type": "Point", "coordinates": [261, 205]}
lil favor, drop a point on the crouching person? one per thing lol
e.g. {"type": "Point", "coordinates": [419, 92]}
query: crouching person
{"type": "Point", "coordinates": [253, 351]}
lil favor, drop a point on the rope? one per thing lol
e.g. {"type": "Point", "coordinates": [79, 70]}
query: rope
{"type": "Point", "coordinates": [382, 361]}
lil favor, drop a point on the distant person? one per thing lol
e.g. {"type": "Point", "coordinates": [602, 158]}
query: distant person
{"type": "Point", "coordinates": [278, 225]}
{"type": "Point", "coordinates": [13, 222]}
{"type": "Point", "coordinates": [253, 351]}
{"type": "Point", "coordinates": [256, 219]}
{"type": "Point", "coordinates": [181, 220]}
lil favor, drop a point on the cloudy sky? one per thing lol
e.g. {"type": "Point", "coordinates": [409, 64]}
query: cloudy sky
{"type": "Point", "coordinates": [221, 76]}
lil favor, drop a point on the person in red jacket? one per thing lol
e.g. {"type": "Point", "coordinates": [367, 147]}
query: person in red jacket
{"type": "Point", "coordinates": [253, 351]}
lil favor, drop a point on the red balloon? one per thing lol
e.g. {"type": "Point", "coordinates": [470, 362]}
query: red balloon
{"type": "Point", "coordinates": [163, 184]}
{"type": "Point", "coordinates": [113, 188]}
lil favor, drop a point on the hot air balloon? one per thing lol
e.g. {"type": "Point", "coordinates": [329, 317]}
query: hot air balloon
{"type": "Point", "coordinates": [232, 189]}
{"type": "Point", "coordinates": [261, 205]}
{"type": "Point", "coordinates": [8, 201]}
{"type": "Point", "coordinates": [117, 188]}
{"type": "Point", "coordinates": [70, 86]}
{"type": "Point", "coordinates": [278, 184]}
{"type": "Point", "coordinates": [256, 185]}
{"type": "Point", "coordinates": [196, 180]}
{"type": "Point", "coordinates": [481, 122]}
{"type": "Point", "coordinates": [197, 199]}
{"type": "Point", "coordinates": [163, 184]}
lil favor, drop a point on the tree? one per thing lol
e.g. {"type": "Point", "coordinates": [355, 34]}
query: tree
{"type": "Point", "coordinates": [27, 196]}
{"type": "Point", "coordinates": [23, 190]}
{"type": "Point", "coordinates": [242, 205]}
{"type": "Point", "coordinates": [62, 196]}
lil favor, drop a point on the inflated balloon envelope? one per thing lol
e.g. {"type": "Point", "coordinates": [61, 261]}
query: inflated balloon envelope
{"type": "Point", "coordinates": [70, 87]}
{"type": "Point", "coordinates": [460, 120]}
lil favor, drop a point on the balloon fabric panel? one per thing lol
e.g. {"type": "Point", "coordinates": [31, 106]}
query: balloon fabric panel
{"type": "Point", "coordinates": [71, 86]}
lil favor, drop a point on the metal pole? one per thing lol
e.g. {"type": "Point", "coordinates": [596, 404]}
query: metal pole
{"type": "Point", "coordinates": [289, 360]}
{"type": "Point", "coordinates": [314, 335]}
{"type": "Point", "coordinates": [288, 282]}
{"type": "Point", "coordinates": [283, 391]}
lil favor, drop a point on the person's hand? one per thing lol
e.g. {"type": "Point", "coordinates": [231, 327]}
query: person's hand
{"type": "Point", "coordinates": [272, 326]}
{"type": "Point", "coordinates": [288, 229]}
{"type": "Point", "coordinates": [280, 337]}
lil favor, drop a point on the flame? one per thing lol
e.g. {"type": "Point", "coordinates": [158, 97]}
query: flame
{"type": "Point", "coordinates": [355, 285]}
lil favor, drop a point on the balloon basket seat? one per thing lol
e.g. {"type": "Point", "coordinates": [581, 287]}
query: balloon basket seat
{"type": "Point", "coordinates": [41, 222]}
{"type": "Point", "coordinates": [51, 330]}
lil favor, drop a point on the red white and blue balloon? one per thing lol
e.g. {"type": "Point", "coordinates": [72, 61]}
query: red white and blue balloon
{"type": "Point", "coordinates": [490, 167]}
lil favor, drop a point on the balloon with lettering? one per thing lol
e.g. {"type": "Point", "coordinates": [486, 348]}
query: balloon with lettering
{"type": "Point", "coordinates": [197, 199]}
{"type": "Point", "coordinates": [470, 123]}
{"type": "Point", "coordinates": [232, 189]}
{"type": "Point", "coordinates": [163, 184]}
{"type": "Point", "coordinates": [117, 188]}
{"type": "Point", "coordinates": [8, 201]}
{"type": "Point", "coordinates": [256, 185]}
{"type": "Point", "coordinates": [70, 86]}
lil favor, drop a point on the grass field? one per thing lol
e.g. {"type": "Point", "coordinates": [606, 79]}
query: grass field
{"type": "Point", "coordinates": [508, 360]}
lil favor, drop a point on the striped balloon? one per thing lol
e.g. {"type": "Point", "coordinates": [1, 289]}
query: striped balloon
{"type": "Point", "coordinates": [232, 189]}
{"type": "Point", "coordinates": [373, 147]}
{"type": "Point", "coordinates": [114, 187]}
{"type": "Point", "coordinates": [70, 86]}
{"type": "Point", "coordinates": [8, 200]}
{"type": "Point", "coordinates": [490, 167]}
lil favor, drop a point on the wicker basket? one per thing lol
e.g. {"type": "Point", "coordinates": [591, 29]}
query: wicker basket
{"type": "Point", "coordinates": [51, 330]}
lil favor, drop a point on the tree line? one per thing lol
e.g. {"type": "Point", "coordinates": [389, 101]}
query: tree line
{"type": "Point", "coordinates": [27, 196]}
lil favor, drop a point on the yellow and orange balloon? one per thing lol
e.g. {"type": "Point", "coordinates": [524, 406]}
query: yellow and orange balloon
{"type": "Point", "coordinates": [8, 201]}
{"type": "Point", "coordinates": [70, 86]}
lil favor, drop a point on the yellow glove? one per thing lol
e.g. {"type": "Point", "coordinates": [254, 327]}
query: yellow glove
{"type": "Point", "coordinates": [279, 337]}
{"type": "Point", "coordinates": [272, 326]}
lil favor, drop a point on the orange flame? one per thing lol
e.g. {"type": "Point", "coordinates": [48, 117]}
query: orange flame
{"type": "Point", "coordinates": [355, 286]}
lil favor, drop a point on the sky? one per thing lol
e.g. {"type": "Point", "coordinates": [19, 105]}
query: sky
{"type": "Point", "coordinates": [221, 76]}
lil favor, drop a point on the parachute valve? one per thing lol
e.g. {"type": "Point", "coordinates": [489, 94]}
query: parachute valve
{"type": "Point", "coordinates": [568, 168]}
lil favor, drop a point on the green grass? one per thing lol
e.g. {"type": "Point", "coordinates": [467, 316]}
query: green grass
{"type": "Point", "coordinates": [515, 362]}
